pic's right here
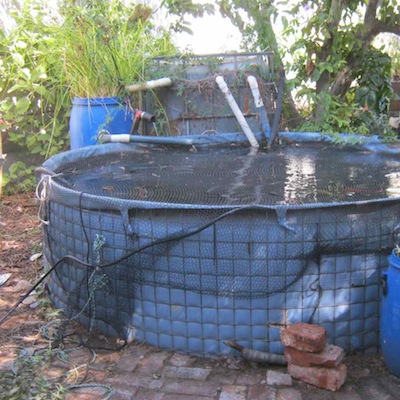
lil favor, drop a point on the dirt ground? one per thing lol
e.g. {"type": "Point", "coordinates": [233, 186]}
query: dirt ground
{"type": "Point", "coordinates": [20, 247]}
{"type": "Point", "coordinates": [35, 338]}
{"type": "Point", "coordinates": [33, 361]}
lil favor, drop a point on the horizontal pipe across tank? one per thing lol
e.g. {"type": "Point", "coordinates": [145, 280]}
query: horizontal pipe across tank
{"type": "Point", "coordinates": [191, 140]}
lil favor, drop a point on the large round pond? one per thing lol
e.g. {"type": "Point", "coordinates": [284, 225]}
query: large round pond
{"type": "Point", "coordinates": [187, 247]}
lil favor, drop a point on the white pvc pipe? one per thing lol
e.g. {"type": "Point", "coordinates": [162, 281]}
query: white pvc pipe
{"type": "Point", "coordinates": [252, 81]}
{"type": "Point", "coordinates": [120, 138]}
{"type": "Point", "coordinates": [105, 137]}
{"type": "Point", "coordinates": [236, 111]}
{"type": "Point", "coordinates": [258, 101]}
{"type": "Point", "coordinates": [162, 82]}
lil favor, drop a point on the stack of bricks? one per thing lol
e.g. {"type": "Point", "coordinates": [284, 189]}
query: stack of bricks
{"type": "Point", "coordinates": [310, 359]}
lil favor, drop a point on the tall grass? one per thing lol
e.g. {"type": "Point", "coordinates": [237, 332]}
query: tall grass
{"type": "Point", "coordinates": [107, 45]}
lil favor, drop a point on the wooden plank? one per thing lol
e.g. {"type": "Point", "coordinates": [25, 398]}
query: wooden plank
{"type": "Point", "coordinates": [394, 105]}
{"type": "Point", "coordinates": [396, 87]}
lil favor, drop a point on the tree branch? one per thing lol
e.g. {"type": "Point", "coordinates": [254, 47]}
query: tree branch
{"type": "Point", "coordinates": [381, 27]}
{"type": "Point", "coordinates": [334, 15]}
{"type": "Point", "coordinates": [228, 12]}
{"type": "Point", "coordinates": [370, 13]}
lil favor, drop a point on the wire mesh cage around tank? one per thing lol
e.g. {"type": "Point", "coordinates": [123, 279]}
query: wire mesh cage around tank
{"type": "Point", "coordinates": [195, 105]}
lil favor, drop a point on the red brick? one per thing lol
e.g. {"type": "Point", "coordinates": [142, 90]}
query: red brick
{"type": "Point", "coordinates": [304, 337]}
{"type": "Point", "coordinates": [330, 356]}
{"type": "Point", "coordinates": [324, 378]}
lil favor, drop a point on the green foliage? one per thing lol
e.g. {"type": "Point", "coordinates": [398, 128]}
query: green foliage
{"type": "Point", "coordinates": [326, 51]}
{"type": "Point", "coordinates": [346, 117]}
{"type": "Point", "coordinates": [335, 116]}
{"type": "Point", "coordinates": [20, 178]}
{"type": "Point", "coordinates": [376, 124]}
{"type": "Point", "coordinates": [25, 380]}
{"type": "Point", "coordinates": [32, 99]}
{"type": "Point", "coordinates": [373, 79]}
{"type": "Point", "coordinates": [45, 60]}
{"type": "Point", "coordinates": [179, 8]}
{"type": "Point", "coordinates": [107, 45]}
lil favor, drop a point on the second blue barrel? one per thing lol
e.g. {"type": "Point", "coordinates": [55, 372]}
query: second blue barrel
{"type": "Point", "coordinates": [390, 315]}
{"type": "Point", "coordinates": [90, 115]}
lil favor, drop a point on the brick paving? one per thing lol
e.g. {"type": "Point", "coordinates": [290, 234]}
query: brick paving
{"type": "Point", "coordinates": [140, 372]}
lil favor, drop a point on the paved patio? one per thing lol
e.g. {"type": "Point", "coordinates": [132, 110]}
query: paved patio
{"type": "Point", "coordinates": [141, 372]}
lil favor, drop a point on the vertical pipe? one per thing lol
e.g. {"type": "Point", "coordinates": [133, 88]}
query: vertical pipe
{"type": "Point", "coordinates": [236, 111]}
{"type": "Point", "coordinates": [258, 101]}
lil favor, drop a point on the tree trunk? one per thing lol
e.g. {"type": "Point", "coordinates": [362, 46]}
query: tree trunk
{"type": "Point", "coordinates": [322, 87]}
{"type": "Point", "coordinates": [344, 78]}
{"type": "Point", "coordinates": [365, 33]}
{"type": "Point", "coordinates": [292, 115]}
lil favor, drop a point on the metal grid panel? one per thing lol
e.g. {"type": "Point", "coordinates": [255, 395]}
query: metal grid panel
{"type": "Point", "coordinates": [242, 278]}
{"type": "Point", "coordinates": [195, 105]}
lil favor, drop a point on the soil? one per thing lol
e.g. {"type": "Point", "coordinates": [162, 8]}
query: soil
{"type": "Point", "coordinates": [20, 239]}
{"type": "Point", "coordinates": [32, 347]}
{"type": "Point", "coordinates": [33, 335]}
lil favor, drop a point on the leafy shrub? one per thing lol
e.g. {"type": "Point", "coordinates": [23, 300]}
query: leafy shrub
{"type": "Point", "coordinates": [89, 51]}
{"type": "Point", "coordinates": [34, 102]}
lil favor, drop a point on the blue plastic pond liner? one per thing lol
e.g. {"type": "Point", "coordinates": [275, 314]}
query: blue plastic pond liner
{"type": "Point", "coordinates": [209, 273]}
{"type": "Point", "coordinates": [390, 315]}
{"type": "Point", "coordinates": [89, 116]}
{"type": "Point", "coordinates": [369, 143]}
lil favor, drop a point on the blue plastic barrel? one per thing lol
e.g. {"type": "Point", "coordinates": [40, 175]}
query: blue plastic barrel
{"type": "Point", "coordinates": [390, 315]}
{"type": "Point", "coordinates": [89, 116]}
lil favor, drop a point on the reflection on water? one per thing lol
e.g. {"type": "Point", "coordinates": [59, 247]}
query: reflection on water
{"type": "Point", "coordinates": [393, 189]}
{"type": "Point", "coordinates": [301, 180]}
{"type": "Point", "coordinates": [290, 174]}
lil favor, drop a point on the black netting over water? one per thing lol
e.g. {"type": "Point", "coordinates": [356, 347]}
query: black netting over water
{"type": "Point", "coordinates": [290, 175]}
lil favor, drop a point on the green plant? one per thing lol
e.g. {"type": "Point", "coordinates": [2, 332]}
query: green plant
{"type": "Point", "coordinates": [26, 381]}
{"type": "Point", "coordinates": [20, 178]}
{"type": "Point", "coordinates": [345, 116]}
{"type": "Point", "coordinates": [376, 123]}
{"type": "Point", "coordinates": [336, 116]}
{"type": "Point", "coordinates": [107, 45]}
{"type": "Point", "coordinates": [33, 99]}
{"type": "Point", "coordinates": [373, 79]}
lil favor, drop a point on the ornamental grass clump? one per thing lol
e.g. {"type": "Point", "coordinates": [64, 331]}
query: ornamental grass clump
{"type": "Point", "coordinates": [107, 45]}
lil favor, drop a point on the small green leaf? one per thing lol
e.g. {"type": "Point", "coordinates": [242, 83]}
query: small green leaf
{"type": "Point", "coordinates": [41, 90]}
{"type": "Point", "coordinates": [22, 105]}
{"type": "Point", "coordinates": [25, 73]}
{"type": "Point", "coordinates": [20, 44]}
{"type": "Point", "coordinates": [18, 58]}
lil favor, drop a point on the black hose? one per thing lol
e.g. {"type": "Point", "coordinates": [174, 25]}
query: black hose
{"type": "Point", "coordinates": [168, 239]}
{"type": "Point", "coordinates": [35, 286]}
{"type": "Point", "coordinates": [258, 356]}
{"type": "Point", "coordinates": [278, 111]}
